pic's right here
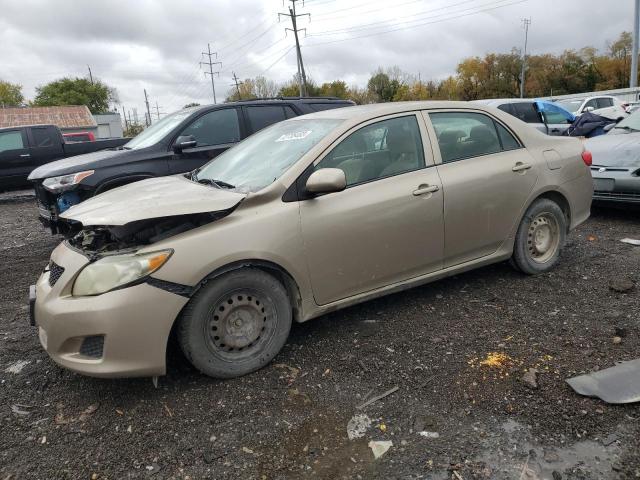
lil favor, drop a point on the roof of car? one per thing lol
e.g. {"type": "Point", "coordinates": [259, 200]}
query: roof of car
{"type": "Point", "coordinates": [379, 109]}
{"type": "Point", "coordinates": [501, 101]}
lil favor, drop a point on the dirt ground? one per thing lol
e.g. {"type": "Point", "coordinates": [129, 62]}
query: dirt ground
{"type": "Point", "coordinates": [456, 350]}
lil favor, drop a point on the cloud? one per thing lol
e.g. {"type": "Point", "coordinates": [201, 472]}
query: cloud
{"type": "Point", "coordinates": [157, 44]}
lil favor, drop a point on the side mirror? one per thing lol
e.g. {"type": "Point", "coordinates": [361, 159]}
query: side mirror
{"type": "Point", "coordinates": [184, 141]}
{"type": "Point", "coordinates": [589, 109]}
{"type": "Point", "coordinates": [609, 127]}
{"type": "Point", "coordinates": [326, 180]}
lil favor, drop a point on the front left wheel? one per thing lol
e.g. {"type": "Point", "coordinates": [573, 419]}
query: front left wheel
{"type": "Point", "coordinates": [236, 324]}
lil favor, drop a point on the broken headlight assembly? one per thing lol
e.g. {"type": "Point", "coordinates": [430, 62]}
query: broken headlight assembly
{"type": "Point", "coordinates": [65, 182]}
{"type": "Point", "coordinates": [116, 271]}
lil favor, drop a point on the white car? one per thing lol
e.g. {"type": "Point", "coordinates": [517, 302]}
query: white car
{"type": "Point", "coordinates": [604, 105]}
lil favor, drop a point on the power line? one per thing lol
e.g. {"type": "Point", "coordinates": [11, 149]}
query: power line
{"type": "Point", "coordinates": [211, 72]}
{"type": "Point", "coordinates": [414, 26]}
{"type": "Point", "coordinates": [302, 78]}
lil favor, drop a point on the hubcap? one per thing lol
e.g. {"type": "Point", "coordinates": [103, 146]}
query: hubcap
{"type": "Point", "coordinates": [238, 323]}
{"type": "Point", "coordinates": [543, 237]}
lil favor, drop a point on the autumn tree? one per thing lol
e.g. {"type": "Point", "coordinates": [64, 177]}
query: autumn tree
{"type": "Point", "coordinates": [10, 94]}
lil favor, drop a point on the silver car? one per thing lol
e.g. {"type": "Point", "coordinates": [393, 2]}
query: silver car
{"type": "Point", "coordinates": [616, 162]}
{"type": "Point", "coordinates": [540, 114]}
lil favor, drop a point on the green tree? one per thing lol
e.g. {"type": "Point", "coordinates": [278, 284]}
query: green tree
{"type": "Point", "coordinates": [10, 94]}
{"type": "Point", "coordinates": [337, 88]}
{"type": "Point", "coordinates": [383, 86]}
{"type": "Point", "coordinates": [192, 104]}
{"type": "Point", "coordinates": [76, 91]}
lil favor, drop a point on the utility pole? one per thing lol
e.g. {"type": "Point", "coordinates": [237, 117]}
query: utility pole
{"type": "Point", "coordinates": [634, 54]}
{"type": "Point", "coordinates": [211, 72]}
{"type": "Point", "coordinates": [90, 75]}
{"type": "Point", "coordinates": [158, 112]}
{"type": "Point", "coordinates": [147, 120]}
{"type": "Point", "coordinates": [124, 115]}
{"type": "Point", "coordinates": [526, 22]}
{"type": "Point", "coordinates": [237, 84]}
{"type": "Point", "coordinates": [302, 77]}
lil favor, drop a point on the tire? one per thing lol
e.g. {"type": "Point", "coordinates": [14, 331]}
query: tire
{"type": "Point", "coordinates": [235, 324]}
{"type": "Point", "coordinates": [540, 237]}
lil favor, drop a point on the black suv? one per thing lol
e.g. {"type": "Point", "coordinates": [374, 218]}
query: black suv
{"type": "Point", "coordinates": [178, 143]}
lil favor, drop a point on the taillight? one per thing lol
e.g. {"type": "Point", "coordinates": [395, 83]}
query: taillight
{"type": "Point", "coordinates": [587, 158]}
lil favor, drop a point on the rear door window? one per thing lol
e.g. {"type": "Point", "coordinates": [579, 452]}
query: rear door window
{"type": "Point", "coordinates": [468, 134]}
{"type": "Point", "coordinates": [11, 141]}
{"type": "Point", "coordinates": [41, 137]}
{"type": "Point", "coordinates": [605, 102]}
{"type": "Point", "coordinates": [526, 111]}
{"type": "Point", "coordinates": [263, 116]}
{"type": "Point", "coordinates": [218, 127]}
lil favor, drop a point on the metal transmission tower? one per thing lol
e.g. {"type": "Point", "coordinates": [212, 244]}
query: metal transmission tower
{"type": "Point", "coordinates": [634, 55]}
{"type": "Point", "coordinates": [302, 77]}
{"type": "Point", "coordinates": [237, 84]}
{"type": "Point", "coordinates": [211, 72]}
{"type": "Point", "coordinates": [525, 22]}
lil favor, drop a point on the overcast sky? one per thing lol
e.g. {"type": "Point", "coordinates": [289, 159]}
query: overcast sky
{"type": "Point", "coordinates": [156, 44]}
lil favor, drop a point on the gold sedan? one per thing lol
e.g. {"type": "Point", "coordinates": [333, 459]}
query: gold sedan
{"type": "Point", "coordinates": [305, 217]}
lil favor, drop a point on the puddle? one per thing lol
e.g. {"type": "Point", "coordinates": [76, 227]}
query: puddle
{"type": "Point", "coordinates": [517, 456]}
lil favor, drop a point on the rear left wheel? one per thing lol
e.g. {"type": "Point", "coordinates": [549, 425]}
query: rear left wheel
{"type": "Point", "coordinates": [235, 324]}
{"type": "Point", "coordinates": [540, 237]}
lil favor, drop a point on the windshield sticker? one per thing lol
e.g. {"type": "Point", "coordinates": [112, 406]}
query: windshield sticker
{"type": "Point", "coordinates": [294, 136]}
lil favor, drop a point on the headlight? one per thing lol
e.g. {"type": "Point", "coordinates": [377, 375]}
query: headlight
{"type": "Point", "coordinates": [65, 182]}
{"type": "Point", "coordinates": [117, 270]}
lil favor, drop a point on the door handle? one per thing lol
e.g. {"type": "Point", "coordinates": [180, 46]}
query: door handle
{"type": "Point", "coordinates": [25, 155]}
{"type": "Point", "coordinates": [521, 167]}
{"type": "Point", "coordinates": [422, 189]}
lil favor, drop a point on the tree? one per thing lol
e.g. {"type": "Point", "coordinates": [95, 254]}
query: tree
{"type": "Point", "coordinates": [193, 104]}
{"type": "Point", "coordinates": [133, 129]}
{"type": "Point", "coordinates": [383, 86]}
{"type": "Point", "coordinates": [10, 94]}
{"type": "Point", "coordinates": [337, 88]}
{"type": "Point", "coordinates": [76, 91]}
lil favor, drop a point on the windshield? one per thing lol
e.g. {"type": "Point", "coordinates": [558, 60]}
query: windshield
{"type": "Point", "coordinates": [262, 158]}
{"type": "Point", "coordinates": [632, 122]}
{"type": "Point", "coordinates": [572, 105]}
{"type": "Point", "coordinates": [157, 131]}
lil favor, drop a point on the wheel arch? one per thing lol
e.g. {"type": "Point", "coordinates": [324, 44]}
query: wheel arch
{"type": "Point", "coordinates": [560, 199]}
{"type": "Point", "coordinates": [272, 268]}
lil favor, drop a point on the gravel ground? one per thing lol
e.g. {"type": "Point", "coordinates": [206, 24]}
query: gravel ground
{"type": "Point", "coordinates": [290, 419]}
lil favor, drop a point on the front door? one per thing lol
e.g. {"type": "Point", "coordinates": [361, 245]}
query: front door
{"type": "Point", "coordinates": [386, 226]}
{"type": "Point", "coordinates": [215, 132]}
{"type": "Point", "coordinates": [487, 177]}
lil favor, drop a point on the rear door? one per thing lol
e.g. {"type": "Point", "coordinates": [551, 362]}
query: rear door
{"type": "Point", "coordinates": [607, 108]}
{"type": "Point", "coordinates": [214, 132]}
{"type": "Point", "coordinates": [386, 226]}
{"type": "Point", "coordinates": [15, 159]}
{"type": "Point", "coordinates": [261, 116]}
{"type": "Point", "coordinates": [46, 144]}
{"type": "Point", "coordinates": [487, 176]}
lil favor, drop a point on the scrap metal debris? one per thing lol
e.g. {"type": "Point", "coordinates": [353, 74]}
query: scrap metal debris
{"type": "Point", "coordinates": [426, 434]}
{"type": "Point", "coordinates": [619, 384]}
{"type": "Point", "coordinates": [378, 397]}
{"type": "Point", "coordinates": [631, 241]}
{"type": "Point", "coordinates": [17, 367]}
{"type": "Point", "coordinates": [380, 447]}
{"type": "Point", "coordinates": [357, 426]}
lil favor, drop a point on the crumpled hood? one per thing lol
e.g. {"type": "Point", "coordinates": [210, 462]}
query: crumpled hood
{"type": "Point", "coordinates": [77, 163]}
{"type": "Point", "coordinates": [621, 150]}
{"type": "Point", "coordinates": [152, 198]}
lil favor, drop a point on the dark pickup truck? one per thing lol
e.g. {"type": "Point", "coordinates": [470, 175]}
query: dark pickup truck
{"type": "Point", "coordinates": [178, 143]}
{"type": "Point", "coordinates": [24, 148]}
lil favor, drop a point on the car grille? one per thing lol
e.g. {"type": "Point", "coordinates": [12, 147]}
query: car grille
{"type": "Point", "coordinates": [92, 346]}
{"type": "Point", "coordinates": [55, 272]}
{"type": "Point", "coordinates": [617, 194]}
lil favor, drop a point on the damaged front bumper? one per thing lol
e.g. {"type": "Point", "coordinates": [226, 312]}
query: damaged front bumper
{"type": "Point", "coordinates": [51, 205]}
{"type": "Point", "coordinates": [122, 333]}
